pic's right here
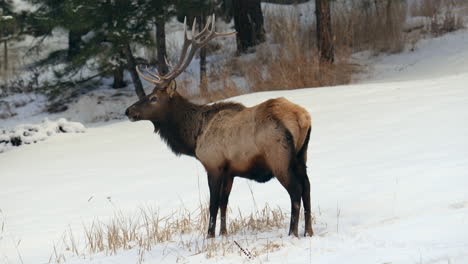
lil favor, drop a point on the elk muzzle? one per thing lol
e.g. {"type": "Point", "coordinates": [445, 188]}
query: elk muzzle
{"type": "Point", "coordinates": [132, 114]}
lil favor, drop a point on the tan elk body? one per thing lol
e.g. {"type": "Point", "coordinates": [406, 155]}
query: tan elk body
{"type": "Point", "coordinates": [230, 140]}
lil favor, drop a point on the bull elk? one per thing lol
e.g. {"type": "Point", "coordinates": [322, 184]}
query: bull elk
{"type": "Point", "coordinates": [230, 140]}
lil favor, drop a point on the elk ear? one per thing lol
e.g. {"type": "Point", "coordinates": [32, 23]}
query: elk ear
{"type": "Point", "coordinates": [171, 88]}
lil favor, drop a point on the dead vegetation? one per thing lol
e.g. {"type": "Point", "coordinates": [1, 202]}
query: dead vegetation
{"type": "Point", "coordinates": [370, 25]}
{"type": "Point", "coordinates": [443, 16]}
{"type": "Point", "coordinates": [289, 59]}
{"type": "Point", "coordinates": [147, 229]}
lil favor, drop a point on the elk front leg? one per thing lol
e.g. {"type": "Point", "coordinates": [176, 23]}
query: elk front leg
{"type": "Point", "coordinates": [226, 190]}
{"type": "Point", "coordinates": [214, 184]}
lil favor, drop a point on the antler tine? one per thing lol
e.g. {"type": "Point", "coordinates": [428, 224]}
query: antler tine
{"type": "Point", "coordinates": [168, 63]}
{"type": "Point", "coordinates": [152, 74]}
{"type": "Point", "coordinates": [185, 46]}
{"type": "Point", "coordinates": [212, 33]}
{"type": "Point", "coordinates": [146, 77]}
{"type": "Point", "coordinates": [194, 27]}
{"type": "Point", "coordinates": [213, 22]}
{"type": "Point", "coordinates": [203, 32]}
{"type": "Point", "coordinates": [197, 42]}
{"type": "Point", "coordinates": [185, 29]}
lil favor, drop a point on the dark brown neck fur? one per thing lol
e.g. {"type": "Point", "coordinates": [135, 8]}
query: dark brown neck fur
{"type": "Point", "coordinates": [186, 121]}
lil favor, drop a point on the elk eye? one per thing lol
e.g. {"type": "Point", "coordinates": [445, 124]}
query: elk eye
{"type": "Point", "coordinates": [153, 99]}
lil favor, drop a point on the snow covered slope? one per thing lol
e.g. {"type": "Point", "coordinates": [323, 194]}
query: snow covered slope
{"type": "Point", "coordinates": [390, 158]}
{"type": "Point", "coordinates": [388, 164]}
{"type": "Point", "coordinates": [433, 57]}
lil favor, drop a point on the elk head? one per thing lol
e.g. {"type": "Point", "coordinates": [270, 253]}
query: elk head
{"type": "Point", "coordinates": [155, 106]}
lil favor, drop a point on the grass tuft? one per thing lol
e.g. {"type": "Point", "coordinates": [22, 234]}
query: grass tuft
{"type": "Point", "coordinates": [148, 229]}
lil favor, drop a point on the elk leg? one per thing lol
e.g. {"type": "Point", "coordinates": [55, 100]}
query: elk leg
{"type": "Point", "coordinates": [226, 190]}
{"type": "Point", "coordinates": [214, 184]}
{"type": "Point", "coordinates": [291, 184]}
{"type": "Point", "coordinates": [302, 172]}
{"type": "Point", "coordinates": [295, 195]}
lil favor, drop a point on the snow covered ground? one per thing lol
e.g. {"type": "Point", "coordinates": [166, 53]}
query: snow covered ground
{"type": "Point", "coordinates": [431, 58]}
{"type": "Point", "coordinates": [388, 163]}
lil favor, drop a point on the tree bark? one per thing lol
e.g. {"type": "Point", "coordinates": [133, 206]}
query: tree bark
{"type": "Point", "coordinates": [131, 64]}
{"type": "Point", "coordinates": [388, 14]}
{"type": "Point", "coordinates": [74, 43]}
{"type": "Point", "coordinates": [324, 32]}
{"type": "Point", "coordinates": [161, 46]}
{"type": "Point", "coordinates": [118, 78]}
{"type": "Point", "coordinates": [203, 77]}
{"type": "Point", "coordinates": [248, 22]}
{"type": "Point", "coordinates": [5, 55]}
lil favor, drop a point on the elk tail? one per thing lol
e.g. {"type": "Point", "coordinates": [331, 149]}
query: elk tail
{"type": "Point", "coordinates": [302, 154]}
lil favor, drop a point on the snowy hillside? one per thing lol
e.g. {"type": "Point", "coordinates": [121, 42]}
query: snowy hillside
{"type": "Point", "coordinates": [388, 164]}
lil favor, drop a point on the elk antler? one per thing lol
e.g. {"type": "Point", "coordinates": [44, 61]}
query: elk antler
{"type": "Point", "coordinates": [197, 42]}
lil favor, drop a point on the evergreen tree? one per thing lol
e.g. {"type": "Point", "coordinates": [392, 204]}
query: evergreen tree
{"type": "Point", "coordinates": [119, 25]}
{"type": "Point", "coordinates": [101, 34]}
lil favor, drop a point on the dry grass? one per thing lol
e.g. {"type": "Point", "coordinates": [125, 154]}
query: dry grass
{"type": "Point", "coordinates": [295, 68]}
{"type": "Point", "coordinates": [447, 22]}
{"type": "Point", "coordinates": [370, 25]}
{"type": "Point", "coordinates": [147, 229]}
{"type": "Point", "coordinates": [444, 15]}
{"type": "Point", "coordinates": [288, 61]}
{"type": "Point", "coordinates": [426, 8]}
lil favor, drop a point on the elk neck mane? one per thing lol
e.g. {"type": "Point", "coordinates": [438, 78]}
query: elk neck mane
{"type": "Point", "coordinates": [186, 121]}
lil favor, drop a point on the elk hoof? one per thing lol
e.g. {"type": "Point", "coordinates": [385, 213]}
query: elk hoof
{"type": "Point", "coordinates": [308, 233]}
{"type": "Point", "coordinates": [291, 233]}
{"type": "Point", "coordinates": [210, 235]}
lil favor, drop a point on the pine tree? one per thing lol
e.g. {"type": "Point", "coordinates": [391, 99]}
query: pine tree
{"type": "Point", "coordinates": [101, 34]}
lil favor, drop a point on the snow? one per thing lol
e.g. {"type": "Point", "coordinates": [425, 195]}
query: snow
{"type": "Point", "coordinates": [387, 162]}
{"type": "Point", "coordinates": [431, 58]}
{"type": "Point", "coordinates": [31, 133]}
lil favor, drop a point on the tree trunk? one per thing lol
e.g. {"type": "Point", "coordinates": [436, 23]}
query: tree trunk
{"type": "Point", "coordinates": [74, 43]}
{"type": "Point", "coordinates": [161, 46]}
{"type": "Point", "coordinates": [131, 64]}
{"type": "Point", "coordinates": [118, 78]}
{"type": "Point", "coordinates": [5, 55]}
{"type": "Point", "coordinates": [203, 77]}
{"type": "Point", "coordinates": [389, 17]}
{"type": "Point", "coordinates": [248, 22]}
{"type": "Point", "coordinates": [324, 31]}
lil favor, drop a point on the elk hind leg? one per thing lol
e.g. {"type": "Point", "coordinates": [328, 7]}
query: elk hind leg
{"type": "Point", "coordinates": [301, 171]}
{"type": "Point", "coordinates": [302, 174]}
{"type": "Point", "coordinates": [293, 186]}
{"type": "Point", "coordinates": [281, 158]}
